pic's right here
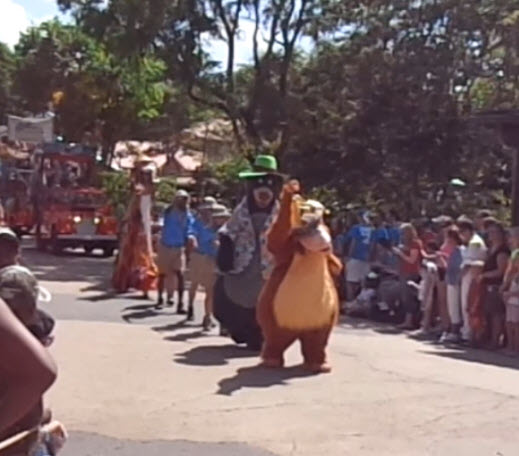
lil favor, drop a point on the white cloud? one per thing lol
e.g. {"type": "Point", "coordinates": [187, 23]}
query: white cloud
{"type": "Point", "coordinates": [13, 20]}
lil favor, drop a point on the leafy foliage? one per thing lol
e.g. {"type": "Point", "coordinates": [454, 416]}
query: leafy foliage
{"type": "Point", "coordinates": [6, 78]}
{"type": "Point", "coordinates": [117, 188]}
{"type": "Point", "coordinates": [377, 112]}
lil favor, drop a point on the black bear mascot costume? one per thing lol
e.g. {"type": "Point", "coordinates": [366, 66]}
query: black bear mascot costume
{"type": "Point", "coordinates": [244, 264]}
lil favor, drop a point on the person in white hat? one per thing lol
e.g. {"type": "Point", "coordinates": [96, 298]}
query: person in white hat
{"type": "Point", "coordinates": [178, 238]}
{"type": "Point", "coordinates": [203, 259]}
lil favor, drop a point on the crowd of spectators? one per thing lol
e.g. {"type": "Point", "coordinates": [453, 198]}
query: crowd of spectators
{"type": "Point", "coordinates": [455, 280]}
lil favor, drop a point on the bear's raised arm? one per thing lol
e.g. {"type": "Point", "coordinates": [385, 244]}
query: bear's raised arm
{"type": "Point", "coordinates": [280, 231]}
{"type": "Point", "coordinates": [334, 265]}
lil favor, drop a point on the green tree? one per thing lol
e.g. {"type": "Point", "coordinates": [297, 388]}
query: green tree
{"type": "Point", "coordinates": [6, 79]}
{"type": "Point", "coordinates": [381, 108]}
{"type": "Point", "coordinates": [178, 33]}
{"type": "Point", "coordinates": [96, 87]}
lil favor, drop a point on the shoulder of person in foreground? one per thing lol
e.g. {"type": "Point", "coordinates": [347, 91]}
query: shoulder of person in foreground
{"type": "Point", "coordinates": [26, 368]}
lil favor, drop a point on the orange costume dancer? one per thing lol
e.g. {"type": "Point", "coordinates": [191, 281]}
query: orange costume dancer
{"type": "Point", "coordinates": [135, 267]}
{"type": "Point", "coordinates": [299, 301]}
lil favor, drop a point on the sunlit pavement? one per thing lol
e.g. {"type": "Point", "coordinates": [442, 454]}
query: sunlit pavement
{"type": "Point", "coordinates": [137, 381]}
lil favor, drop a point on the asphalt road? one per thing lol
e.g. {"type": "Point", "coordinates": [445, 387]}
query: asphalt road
{"type": "Point", "coordinates": [80, 288]}
{"type": "Point", "coordinates": [84, 444]}
{"type": "Point", "coordinates": [159, 386]}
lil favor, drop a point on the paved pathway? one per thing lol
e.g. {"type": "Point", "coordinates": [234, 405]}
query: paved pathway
{"type": "Point", "coordinates": [130, 374]}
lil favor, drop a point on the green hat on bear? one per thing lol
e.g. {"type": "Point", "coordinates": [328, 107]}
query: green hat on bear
{"type": "Point", "coordinates": [263, 165]}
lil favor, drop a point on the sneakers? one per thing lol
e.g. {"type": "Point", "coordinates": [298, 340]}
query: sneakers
{"type": "Point", "coordinates": [180, 309]}
{"type": "Point", "coordinates": [449, 338]}
{"type": "Point", "coordinates": [208, 323]}
{"type": "Point", "coordinates": [190, 313]}
{"type": "Point", "coordinates": [160, 303]}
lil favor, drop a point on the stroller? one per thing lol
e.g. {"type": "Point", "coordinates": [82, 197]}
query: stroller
{"type": "Point", "coordinates": [379, 299]}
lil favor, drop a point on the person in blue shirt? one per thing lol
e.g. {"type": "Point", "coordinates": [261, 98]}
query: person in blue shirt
{"type": "Point", "coordinates": [178, 238]}
{"type": "Point", "coordinates": [393, 228]}
{"type": "Point", "coordinates": [202, 264]}
{"type": "Point", "coordinates": [385, 237]}
{"type": "Point", "coordinates": [360, 238]}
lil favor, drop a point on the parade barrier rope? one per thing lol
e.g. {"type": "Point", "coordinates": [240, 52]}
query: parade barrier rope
{"type": "Point", "coordinates": [20, 437]}
{"type": "Point", "coordinates": [53, 434]}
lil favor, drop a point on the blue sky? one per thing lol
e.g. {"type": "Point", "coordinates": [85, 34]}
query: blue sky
{"type": "Point", "coordinates": [17, 15]}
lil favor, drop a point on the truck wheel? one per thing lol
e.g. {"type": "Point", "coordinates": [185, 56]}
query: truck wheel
{"type": "Point", "coordinates": [56, 246]}
{"type": "Point", "coordinates": [41, 244]}
{"type": "Point", "coordinates": [108, 252]}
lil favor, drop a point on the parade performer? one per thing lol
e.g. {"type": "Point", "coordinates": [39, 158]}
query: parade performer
{"type": "Point", "coordinates": [243, 260]}
{"type": "Point", "coordinates": [135, 267]}
{"type": "Point", "coordinates": [299, 301]}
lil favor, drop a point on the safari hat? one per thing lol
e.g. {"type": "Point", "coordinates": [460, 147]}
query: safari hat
{"type": "Point", "coordinates": [208, 203]}
{"type": "Point", "coordinates": [263, 166]}
{"type": "Point", "coordinates": [219, 210]}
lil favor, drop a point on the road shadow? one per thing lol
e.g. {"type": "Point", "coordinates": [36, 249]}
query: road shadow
{"type": "Point", "coordinates": [347, 322]}
{"type": "Point", "coordinates": [171, 326]}
{"type": "Point", "coordinates": [111, 294]}
{"type": "Point", "coordinates": [106, 296]}
{"type": "Point", "coordinates": [70, 268]}
{"type": "Point", "coordinates": [141, 311]}
{"type": "Point", "coordinates": [185, 336]}
{"type": "Point", "coordinates": [259, 377]}
{"type": "Point", "coordinates": [211, 355]}
{"type": "Point", "coordinates": [477, 356]}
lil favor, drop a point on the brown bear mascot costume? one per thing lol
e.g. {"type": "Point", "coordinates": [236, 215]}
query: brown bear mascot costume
{"type": "Point", "coordinates": [299, 301]}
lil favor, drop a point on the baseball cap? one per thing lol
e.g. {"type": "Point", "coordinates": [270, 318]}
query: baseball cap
{"type": "Point", "coordinates": [181, 194]}
{"type": "Point", "coordinates": [443, 220]}
{"type": "Point", "coordinates": [8, 235]}
{"type": "Point", "coordinates": [19, 289]}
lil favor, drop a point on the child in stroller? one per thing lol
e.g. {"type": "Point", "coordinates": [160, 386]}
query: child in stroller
{"type": "Point", "coordinates": [379, 299]}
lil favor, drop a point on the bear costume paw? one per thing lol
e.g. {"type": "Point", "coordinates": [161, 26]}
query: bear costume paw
{"type": "Point", "coordinates": [272, 363]}
{"type": "Point", "coordinates": [324, 368]}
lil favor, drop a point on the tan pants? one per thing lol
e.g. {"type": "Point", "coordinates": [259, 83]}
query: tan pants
{"type": "Point", "coordinates": [170, 260]}
{"type": "Point", "coordinates": [202, 270]}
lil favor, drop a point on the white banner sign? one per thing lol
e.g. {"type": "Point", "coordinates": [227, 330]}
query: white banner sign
{"type": "Point", "coordinates": [31, 130]}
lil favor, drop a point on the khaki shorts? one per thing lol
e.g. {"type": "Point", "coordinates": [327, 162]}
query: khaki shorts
{"type": "Point", "coordinates": [356, 270]}
{"type": "Point", "coordinates": [202, 270]}
{"type": "Point", "coordinates": [512, 313]}
{"type": "Point", "coordinates": [170, 259]}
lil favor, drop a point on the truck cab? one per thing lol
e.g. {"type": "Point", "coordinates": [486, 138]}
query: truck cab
{"type": "Point", "coordinates": [70, 212]}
